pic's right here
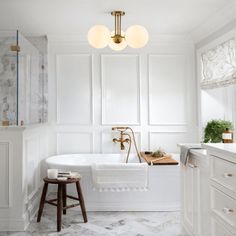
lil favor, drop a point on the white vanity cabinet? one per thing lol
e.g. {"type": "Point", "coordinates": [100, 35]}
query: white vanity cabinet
{"type": "Point", "coordinates": [209, 191]}
{"type": "Point", "coordinates": [222, 189]}
{"type": "Point", "coordinates": [195, 194]}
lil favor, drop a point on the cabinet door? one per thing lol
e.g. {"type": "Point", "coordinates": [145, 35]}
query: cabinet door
{"type": "Point", "coordinates": [203, 197]}
{"type": "Point", "coordinates": [188, 198]}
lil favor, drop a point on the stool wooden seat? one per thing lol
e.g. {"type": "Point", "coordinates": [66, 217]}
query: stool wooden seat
{"type": "Point", "coordinates": [62, 199]}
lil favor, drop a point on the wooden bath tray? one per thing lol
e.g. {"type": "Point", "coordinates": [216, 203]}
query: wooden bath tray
{"type": "Point", "coordinates": [168, 160]}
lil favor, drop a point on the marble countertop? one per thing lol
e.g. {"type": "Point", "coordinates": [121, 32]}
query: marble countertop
{"type": "Point", "coordinates": [221, 148]}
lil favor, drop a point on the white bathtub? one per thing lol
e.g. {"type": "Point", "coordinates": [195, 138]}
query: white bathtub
{"type": "Point", "coordinates": [163, 193]}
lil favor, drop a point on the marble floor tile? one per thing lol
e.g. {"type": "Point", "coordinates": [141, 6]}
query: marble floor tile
{"type": "Point", "coordinates": [105, 224]}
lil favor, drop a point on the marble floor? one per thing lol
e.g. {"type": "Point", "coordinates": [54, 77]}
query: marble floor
{"type": "Point", "coordinates": [106, 224]}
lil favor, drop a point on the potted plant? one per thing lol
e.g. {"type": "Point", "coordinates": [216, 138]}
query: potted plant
{"type": "Point", "coordinates": [214, 129]}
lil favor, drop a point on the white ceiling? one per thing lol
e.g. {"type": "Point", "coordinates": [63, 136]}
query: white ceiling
{"type": "Point", "coordinates": [40, 17]}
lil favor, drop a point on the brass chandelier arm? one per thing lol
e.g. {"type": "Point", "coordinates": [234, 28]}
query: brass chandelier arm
{"type": "Point", "coordinates": [117, 24]}
{"type": "Point", "coordinates": [117, 37]}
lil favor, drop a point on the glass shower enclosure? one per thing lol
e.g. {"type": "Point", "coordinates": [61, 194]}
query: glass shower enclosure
{"type": "Point", "coordinates": [23, 81]}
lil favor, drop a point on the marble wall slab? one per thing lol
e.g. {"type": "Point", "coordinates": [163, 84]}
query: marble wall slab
{"type": "Point", "coordinates": [32, 77]}
{"type": "Point", "coordinates": [8, 75]}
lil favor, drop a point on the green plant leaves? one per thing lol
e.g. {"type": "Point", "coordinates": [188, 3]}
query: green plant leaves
{"type": "Point", "coordinates": [214, 129]}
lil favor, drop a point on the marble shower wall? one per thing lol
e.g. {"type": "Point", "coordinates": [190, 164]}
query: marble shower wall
{"type": "Point", "coordinates": [8, 76]}
{"type": "Point", "coordinates": [41, 44]}
{"type": "Point", "coordinates": [32, 76]}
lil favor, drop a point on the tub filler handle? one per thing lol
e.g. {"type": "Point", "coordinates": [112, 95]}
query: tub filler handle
{"type": "Point", "coordinates": [128, 140]}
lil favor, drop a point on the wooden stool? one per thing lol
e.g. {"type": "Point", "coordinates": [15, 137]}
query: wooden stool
{"type": "Point", "coordinates": [61, 199]}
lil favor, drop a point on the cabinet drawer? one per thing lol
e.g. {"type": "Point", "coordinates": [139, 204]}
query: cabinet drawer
{"type": "Point", "coordinates": [223, 206]}
{"type": "Point", "coordinates": [224, 172]}
{"type": "Point", "coordinates": [218, 230]}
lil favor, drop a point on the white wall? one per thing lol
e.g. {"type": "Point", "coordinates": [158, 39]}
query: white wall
{"type": "Point", "coordinates": [22, 151]}
{"type": "Point", "coordinates": [152, 90]}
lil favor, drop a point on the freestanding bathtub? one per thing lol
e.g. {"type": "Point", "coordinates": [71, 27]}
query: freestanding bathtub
{"type": "Point", "coordinates": [163, 191]}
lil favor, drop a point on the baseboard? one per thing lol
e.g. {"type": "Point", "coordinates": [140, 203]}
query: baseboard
{"type": "Point", "coordinates": [14, 224]}
{"type": "Point", "coordinates": [33, 207]}
{"type": "Point", "coordinates": [132, 207]}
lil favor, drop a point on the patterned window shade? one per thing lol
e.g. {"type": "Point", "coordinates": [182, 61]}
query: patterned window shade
{"type": "Point", "coordinates": [219, 66]}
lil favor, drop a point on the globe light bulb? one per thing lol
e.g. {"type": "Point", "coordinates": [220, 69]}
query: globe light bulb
{"type": "Point", "coordinates": [99, 36]}
{"type": "Point", "coordinates": [136, 36]}
{"type": "Point", "coordinates": [117, 46]}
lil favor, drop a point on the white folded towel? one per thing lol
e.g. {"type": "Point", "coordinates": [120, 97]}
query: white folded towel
{"type": "Point", "coordinates": [184, 151]}
{"type": "Point", "coordinates": [120, 177]}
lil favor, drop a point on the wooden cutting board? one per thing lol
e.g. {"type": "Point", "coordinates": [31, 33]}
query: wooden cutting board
{"type": "Point", "coordinates": [167, 160]}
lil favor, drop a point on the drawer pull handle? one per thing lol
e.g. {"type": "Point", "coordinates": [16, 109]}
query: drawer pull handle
{"type": "Point", "coordinates": [227, 210]}
{"type": "Point", "coordinates": [226, 175]}
{"type": "Point", "coordinates": [192, 166]}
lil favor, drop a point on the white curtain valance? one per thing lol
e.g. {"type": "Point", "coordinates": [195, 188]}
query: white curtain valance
{"type": "Point", "coordinates": [219, 66]}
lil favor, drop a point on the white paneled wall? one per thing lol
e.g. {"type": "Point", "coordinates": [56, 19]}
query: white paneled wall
{"type": "Point", "coordinates": [74, 89]}
{"type": "Point", "coordinates": [167, 89]}
{"type": "Point", "coordinates": [4, 174]}
{"type": "Point", "coordinates": [22, 154]}
{"type": "Point", "coordinates": [152, 90]}
{"type": "Point", "coordinates": [74, 142]}
{"type": "Point", "coordinates": [120, 89]}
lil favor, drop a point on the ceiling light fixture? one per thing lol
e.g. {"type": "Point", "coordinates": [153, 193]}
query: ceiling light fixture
{"type": "Point", "coordinates": [136, 36]}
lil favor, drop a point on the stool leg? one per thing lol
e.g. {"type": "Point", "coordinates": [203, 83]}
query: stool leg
{"type": "Point", "coordinates": [81, 200]}
{"type": "Point", "coordinates": [59, 207]}
{"type": "Point", "coordinates": [64, 197]}
{"type": "Point", "coordinates": [41, 205]}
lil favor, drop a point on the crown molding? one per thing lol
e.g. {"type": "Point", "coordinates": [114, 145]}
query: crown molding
{"type": "Point", "coordinates": [214, 23]}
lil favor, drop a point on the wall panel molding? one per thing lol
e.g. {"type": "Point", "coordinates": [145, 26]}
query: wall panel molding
{"type": "Point", "coordinates": [121, 85]}
{"type": "Point", "coordinates": [121, 100]}
{"type": "Point", "coordinates": [166, 140]}
{"type": "Point", "coordinates": [74, 142]}
{"type": "Point", "coordinates": [167, 90]}
{"type": "Point", "coordinates": [5, 175]}
{"type": "Point", "coordinates": [74, 74]}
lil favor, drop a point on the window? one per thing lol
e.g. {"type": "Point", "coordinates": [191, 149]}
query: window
{"type": "Point", "coordinates": [219, 65]}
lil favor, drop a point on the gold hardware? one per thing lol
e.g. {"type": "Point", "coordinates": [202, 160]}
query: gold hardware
{"type": "Point", "coordinates": [121, 140]}
{"type": "Point", "coordinates": [227, 210]}
{"type": "Point", "coordinates": [15, 48]}
{"type": "Point", "coordinates": [226, 175]}
{"type": "Point", "coordinates": [128, 140]}
{"type": "Point", "coordinates": [5, 123]}
{"type": "Point", "coordinates": [117, 38]}
{"type": "Point", "coordinates": [114, 13]}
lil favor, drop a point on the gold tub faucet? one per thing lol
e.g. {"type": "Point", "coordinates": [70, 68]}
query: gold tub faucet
{"type": "Point", "coordinates": [128, 140]}
{"type": "Point", "coordinates": [122, 140]}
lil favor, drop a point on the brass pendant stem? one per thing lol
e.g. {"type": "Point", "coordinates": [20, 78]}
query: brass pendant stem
{"type": "Point", "coordinates": [117, 24]}
{"type": "Point", "coordinates": [117, 15]}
